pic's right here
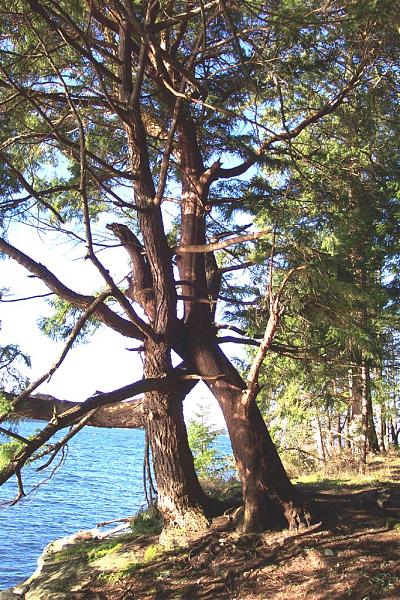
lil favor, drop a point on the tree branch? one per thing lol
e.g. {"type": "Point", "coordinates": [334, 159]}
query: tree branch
{"type": "Point", "coordinates": [102, 312]}
{"type": "Point", "coordinates": [198, 248]}
{"type": "Point", "coordinates": [129, 414]}
{"type": "Point", "coordinates": [288, 135]}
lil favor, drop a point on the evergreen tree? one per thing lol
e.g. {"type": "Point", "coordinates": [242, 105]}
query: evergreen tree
{"type": "Point", "coordinates": [111, 109]}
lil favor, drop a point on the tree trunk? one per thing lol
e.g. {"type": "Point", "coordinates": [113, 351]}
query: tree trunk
{"type": "Point", "coordinates": [381, 431]}
{"type": "Point", "coordinates": [270, 499]}
{"type": "Point", "coordinates": [181, 499]}
{"type": "Point", "coordinates": [394, 433]}
{"type": "Point", "coordinates": [373, 443]}
{"type": "Point", "coordinates": [319, 440]}
{"type": "Point", "coordinates": [358, 427]}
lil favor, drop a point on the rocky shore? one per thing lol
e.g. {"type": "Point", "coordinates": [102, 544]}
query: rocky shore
{"type": "Point", "coordinates": [64, 569]}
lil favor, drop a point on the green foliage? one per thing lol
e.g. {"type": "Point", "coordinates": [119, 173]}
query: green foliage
{"type": "Point", "coordinates": [6, 406]}
{"type": "Point", "coordinates": [147, 522]}
{"type": "Point", "coordinates": [63, 319]}
{"type": "Point", "coordinates": [8, 451]}
{"type": "Point", "coordinates": [202, 436]}
{"type": "Point", "coordinates": [12, 364]}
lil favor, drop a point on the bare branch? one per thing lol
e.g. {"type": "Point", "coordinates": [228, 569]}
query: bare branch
{"type": "Point", "coordinates": [129, 414]}
{"type": "Point", "coordinates": [198, 248]}
{"type": "Point", "coordinates": [28, 297]}
{"type": "Point", "coordinates": [276, 309]}
{"type": "Point", "coordinates": [31, 191]}
{"type": "Point", "coordinates": [102, 312]}
{"type": "Point", "coordinates": [55, 448]}
{"type": "Point", "coordinates": [238, 267]}
{"type": "Point", "coordinates": [14, 435]}
{"type": "Point", "coordinates": [230, 339]}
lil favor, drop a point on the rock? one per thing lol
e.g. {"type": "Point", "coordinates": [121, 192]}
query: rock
{"type": "Point", "coordinates": [329, 552]}
{"type": "Point", "coordinates": [9, 595]}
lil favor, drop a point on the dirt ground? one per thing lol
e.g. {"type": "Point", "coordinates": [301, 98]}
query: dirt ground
{"type": "Point", "coordinates": [352, 554]}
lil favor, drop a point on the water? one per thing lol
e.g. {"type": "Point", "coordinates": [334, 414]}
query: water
{"type": "Point", "coordinates": [100, 480]}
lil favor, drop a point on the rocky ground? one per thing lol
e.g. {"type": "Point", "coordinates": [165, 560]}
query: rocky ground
{"type": "Point", "coordinates": [352, 554]}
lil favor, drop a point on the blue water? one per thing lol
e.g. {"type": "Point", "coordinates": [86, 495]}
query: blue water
{"type": "Point", "coordinates": [100, 480]}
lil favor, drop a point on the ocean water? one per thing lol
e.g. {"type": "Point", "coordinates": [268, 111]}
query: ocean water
{"type": "Point", "coordinates": [100, 480]}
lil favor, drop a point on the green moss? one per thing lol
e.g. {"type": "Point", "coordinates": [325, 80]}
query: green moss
{"type": "Point", "coordinates": [75, 551]}
{"type": "Point", "coordinates": [103, 550]}
{"type": "Point", "coordinates": [152, 552]}
{"type": "Point", "coordinates": [89, 551]}
{"type": "Point", "coordinates": [126, 571]}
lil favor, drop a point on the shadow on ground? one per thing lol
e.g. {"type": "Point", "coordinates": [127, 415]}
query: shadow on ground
{"type": "Point", "coordinates": [354, 555]}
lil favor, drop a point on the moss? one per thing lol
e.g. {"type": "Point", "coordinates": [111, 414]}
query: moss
{"type": "Point", "coordinates": [152, 552]}
{"type": "Point", "coordinates": [89, 551]}
{"type": "Point", "coordinates": [103, 550]}
{"type": "Point", "coordinates": [126, 571]}
{"type": "Point", "coordinates": [75, 551]}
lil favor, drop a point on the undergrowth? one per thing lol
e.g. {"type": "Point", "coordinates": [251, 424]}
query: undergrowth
{"type": "Point", "coordinates": [147, 522]}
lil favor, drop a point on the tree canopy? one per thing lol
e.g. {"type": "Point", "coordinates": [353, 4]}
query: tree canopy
{"type": "Point", "coordinates": [243, 155]}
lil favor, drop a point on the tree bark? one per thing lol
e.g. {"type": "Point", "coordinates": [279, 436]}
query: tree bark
{"type": "Point", "coordinates": [181, 499]}
{"type": "Point", "coordinates": [271, 501]}
{"type": "Point", "coordinates": [358, 428]}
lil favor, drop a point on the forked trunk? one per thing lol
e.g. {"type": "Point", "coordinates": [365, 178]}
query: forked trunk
{"type": "Point", "coordinates": [270, 499]}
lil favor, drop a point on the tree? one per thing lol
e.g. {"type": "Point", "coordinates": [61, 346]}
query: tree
{"type": "Point", "coordinates": [339, 223]}
{"type": "Point", "coordinates": [130, 100]}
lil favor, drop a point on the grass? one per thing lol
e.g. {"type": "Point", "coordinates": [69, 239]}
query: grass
{"type": "Point", "coordinates": [147, 522]}
{"type": "Point", "coordinates": [378, 472]}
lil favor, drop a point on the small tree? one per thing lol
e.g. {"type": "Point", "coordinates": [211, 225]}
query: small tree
{"type": "Point", "coordinates": [203, 434]}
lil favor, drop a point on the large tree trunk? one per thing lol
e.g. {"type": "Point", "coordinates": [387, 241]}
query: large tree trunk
{"type": "Point", "coordinates": [180, 497]}
{"type": "Point", "coordinates": [359, 414]}
{"type": "Point", "coordinates": [270, 499]}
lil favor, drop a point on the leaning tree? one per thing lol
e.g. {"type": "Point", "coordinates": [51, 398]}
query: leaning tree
{"type": "Point", "coordinates": [125, 113]}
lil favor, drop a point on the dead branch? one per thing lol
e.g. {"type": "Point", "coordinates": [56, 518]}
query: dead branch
{"type": "Point", "coordinates": [141, 282]}
{"type": "Point", "coordinates": [240, 239]}
{"type": "Point", "coordinates": [55, 448]}
{"type": "Point", "coordinates": [129, 414]}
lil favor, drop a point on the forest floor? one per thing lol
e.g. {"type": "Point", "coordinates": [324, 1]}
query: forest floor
{"type": "Point", "coordinates": [354, 553]}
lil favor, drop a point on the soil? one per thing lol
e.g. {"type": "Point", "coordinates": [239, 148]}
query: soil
{"type": "Point", "coordinates": [352, 553]}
